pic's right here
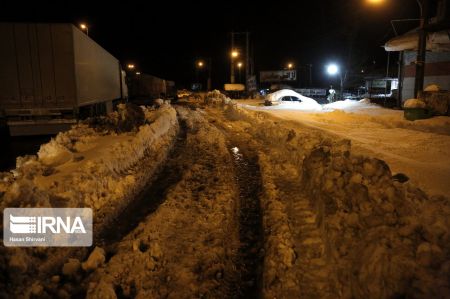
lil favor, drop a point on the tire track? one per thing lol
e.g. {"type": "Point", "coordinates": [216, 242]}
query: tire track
{"type": "Point", "coordinates": [151, 197]}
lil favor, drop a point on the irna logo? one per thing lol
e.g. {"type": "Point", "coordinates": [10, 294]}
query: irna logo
{"type": "Point", "coordinates": [47, 227]}
{"type": "Point", "coordinates": [41, 225]}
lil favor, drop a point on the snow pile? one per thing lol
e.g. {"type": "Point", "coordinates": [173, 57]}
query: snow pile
{"type": "Point", "coordinates": [438, 101]}
{"type": "Point", "coordinates": [432, 88]}
{"type": "Point", "coordinates": [87, 167]}
{"type": "Point", "coordinates": [414, 103]}
{"type": "Point", "coordinates": [350, 105]}
{"type": "Point", "coordinates": [215, 97]}
{"type": "Point", "coordinates": [127, 118]}
{"type": "Point", "coordinates": [365, 101]}
{"type": "Point", "coordinates": [385, 238]}
{"type": "Point", "coordinates": [381, 237]}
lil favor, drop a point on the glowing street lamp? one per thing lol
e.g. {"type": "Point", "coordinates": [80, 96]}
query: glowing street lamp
{"type": "Point", "coordinates": [84, 27]}
{"type": "Point", "coordinates": [375, 2]}
{"type": "Point", "coordinates": [130, 66]}
{"type": "Point", "coordinates": [234, 54]}
{"type": "Point", "coordinates": [202, 65]}
{"type": "Point", "coordinates": [290, 66]}
{"type": "Point", "coordinates": [239, 65]}
{"type": "Point", "coordinates": [333, 69]}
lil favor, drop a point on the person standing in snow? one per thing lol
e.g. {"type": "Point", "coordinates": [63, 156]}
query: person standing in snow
{"type": "Point", "coordinates": [331, 95]}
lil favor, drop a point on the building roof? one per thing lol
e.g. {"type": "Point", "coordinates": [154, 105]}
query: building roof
{"type": "Point", "coordinates": [436, 41]}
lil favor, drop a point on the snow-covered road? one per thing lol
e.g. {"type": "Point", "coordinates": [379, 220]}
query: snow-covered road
{"type": "Point", "coordinates": [419, 149]}
{"type": "Point", "coordinates": [219, 201]}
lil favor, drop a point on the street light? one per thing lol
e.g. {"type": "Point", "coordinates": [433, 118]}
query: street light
{"type": "Point", "coordinates": [130, 66]}
{"type": "Point", "coordinates": [421, 46]}
{"type": "Point", "coordinates": [234, 54]}
{"type": "Point", "coordinates": [239, 65]}
{"type": "Point", "coordinates": [84, 27]}
{"type": "Point", "coordinates": [333, 69]}
{"type": "Point", "coordinates": [202, 64]}
{"type": "Point", "coordinates": [376, 2]}
{"type": "Point", "coordinates": [290, 66]}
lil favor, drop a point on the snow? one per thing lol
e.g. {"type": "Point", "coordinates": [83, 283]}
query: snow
{"type": "Point", "coordinates": [432, 88]}
{"type": "Point", "coordinates": [342, 217]}
{"type": "Point", "coordinates": [436, 42]}
{"type": "Point", "coordinates": [102, 166]}
{"type": "Point", "coordinates": [418, 149]}
{"type": "Point", "coordinates": [215, 97]}
{"type": "Point", "coordinates": [350, 105]}
{"type": "Point", "coordinates": [186, 247]}
{"type": "Point", "coordinates": [334, 216]}
{"type": "Point", "coordinates": [414, 103]}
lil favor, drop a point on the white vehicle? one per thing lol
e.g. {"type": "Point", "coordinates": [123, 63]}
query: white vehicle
{"type": "Point", "coordinates": [291, 99]}
{"type": "Point", "coordinates": [182, 93]}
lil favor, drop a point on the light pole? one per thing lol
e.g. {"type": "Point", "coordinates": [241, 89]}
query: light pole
{"type": "Point", "coordinates": [198, 66]}
{"type": "Point", "coordinates": [208, 84]}
{"type": "Point", "coordinates": [310, 74]}
{"type": "Point", "coordinates": [333, 69]}
{"type": "Point", "coordinates": [234, 54]}
{"type": "Point", "coordinates": [421, 46]}
{"type": "Point", "coordinates": [84, 27]}
{"type": "Point", "coordinates": [131, 75]}
{"type": "Point", "coordinates": [202, 64]}
{"type": "Point", "coordinates": [239, 65]}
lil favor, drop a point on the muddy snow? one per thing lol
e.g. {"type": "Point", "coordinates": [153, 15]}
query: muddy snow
{"type": "Point", "coordinates": [211, 199]}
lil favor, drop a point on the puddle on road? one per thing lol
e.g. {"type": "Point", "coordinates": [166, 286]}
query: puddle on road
{"type": "Point", "coordinates": [248, 178]}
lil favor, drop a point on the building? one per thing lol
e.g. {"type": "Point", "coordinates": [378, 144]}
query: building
{"type": "Point", "coordinates": [437, 58]}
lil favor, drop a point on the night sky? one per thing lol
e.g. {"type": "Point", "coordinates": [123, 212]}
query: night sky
{"type": "Point", "coordinates": [165, 39]}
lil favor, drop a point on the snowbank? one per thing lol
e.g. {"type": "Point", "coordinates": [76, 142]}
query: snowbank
{"type": "Point", "coordinates": [87, 166]}
{"type": "Point", "coordinates": [350, 105]}
{"type": "Point", "coordinates": [414, 103]}
{"type": "Point", "coordinates": [215, 97]}
{"type": "Point", "coordinates": [381, 238]}
{"type": "Point", "coordinates": [432, 88]}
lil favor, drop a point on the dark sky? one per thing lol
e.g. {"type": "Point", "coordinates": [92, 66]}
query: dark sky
{"type": "Point", "coordinates": [164, 38]}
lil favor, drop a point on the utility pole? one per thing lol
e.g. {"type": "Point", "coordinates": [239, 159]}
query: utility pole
{"type": "Point", "coordinates": [310, 75]}
{"type": "Point", "coordinates": [232, 61]}
{"type": "Point", "coordinates": [247, 58]}
{"type": "Point", "coordinates": [208, 83]}
{"type": "Point", "coordinates": [422, 48]}
{"type": "Point", "coordinates": [247, 55]}
{"type": "Point", "coordinates": [400, 80]}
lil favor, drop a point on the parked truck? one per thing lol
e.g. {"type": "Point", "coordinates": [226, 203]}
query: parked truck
{"type": "Point", "coordinates": [53, 74]}
{"type": "Point", "coordinates": [144, 88]}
